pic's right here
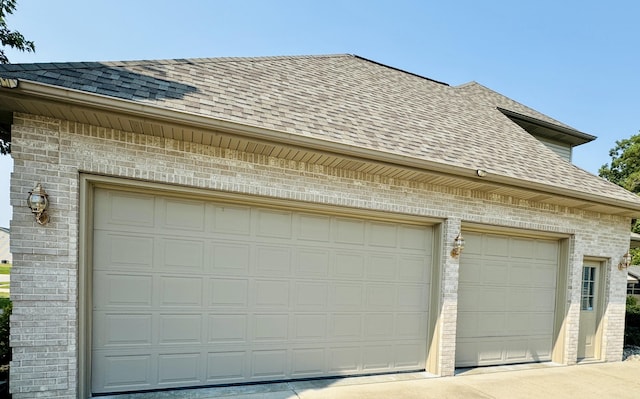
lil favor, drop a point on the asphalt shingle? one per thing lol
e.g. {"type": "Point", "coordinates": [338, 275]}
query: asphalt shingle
{"type": "Point", "coordinates": [339, 98]}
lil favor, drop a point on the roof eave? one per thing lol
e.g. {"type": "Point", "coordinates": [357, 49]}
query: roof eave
{"type": "Point", "coordinates": [570, 136]}
{"type": "Point", "coordinates": [146, 112]}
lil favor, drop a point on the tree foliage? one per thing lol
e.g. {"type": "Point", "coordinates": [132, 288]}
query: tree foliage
{"type": "Point", "coordinates": [13, 39]}
{"type": "Point", "coordinates": [625, 164]}
{"type": "Point", "coordinates": [8, 37]}
{"type": "Point", "coordinates": [624, 170]}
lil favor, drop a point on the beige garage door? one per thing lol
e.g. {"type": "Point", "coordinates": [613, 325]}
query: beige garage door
{"type": "Point", "coordinates": [506, 300]}
{"type": "Point", "coordinates": [189, 293]}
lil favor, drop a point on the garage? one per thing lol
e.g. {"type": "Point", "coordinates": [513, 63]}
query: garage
{"type": "Point", "coordinates": [506, 299]}
{"type": "Point", "coordinates": [193, 292]}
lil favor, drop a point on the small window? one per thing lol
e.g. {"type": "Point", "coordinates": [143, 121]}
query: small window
{"type": "Point", "coordinates": [633, 288]}
{"type": "Point", "coordinates": [588, 286]}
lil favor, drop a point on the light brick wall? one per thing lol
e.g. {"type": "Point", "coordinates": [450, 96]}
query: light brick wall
{"type": "Point", "coordinates": [45, 275]}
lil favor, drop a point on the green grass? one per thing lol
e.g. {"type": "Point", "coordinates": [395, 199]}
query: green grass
{"type": "Point", "coordinates": [4, 296]}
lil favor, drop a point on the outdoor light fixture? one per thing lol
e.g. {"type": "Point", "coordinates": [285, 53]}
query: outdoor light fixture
{"type": "Point", "coordinates": [625, 262]}
{"type": "Point", "coordinates": [458, 246]}
{"type": "Point", "coordinates": [38, 202]}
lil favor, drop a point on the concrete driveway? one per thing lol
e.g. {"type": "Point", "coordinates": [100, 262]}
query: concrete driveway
{"type": "Point", "coordinates": [598, 381]}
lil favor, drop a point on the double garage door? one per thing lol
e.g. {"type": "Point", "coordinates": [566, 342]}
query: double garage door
{"type": "Point", "coordinates": [198, 292]}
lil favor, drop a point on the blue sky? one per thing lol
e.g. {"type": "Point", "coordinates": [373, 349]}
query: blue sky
{"type": "Point", "coordinates": [576, 61]}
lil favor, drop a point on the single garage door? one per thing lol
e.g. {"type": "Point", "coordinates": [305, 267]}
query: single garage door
{"type": "Point", "coordinates": [506, 300]}
{"type": "Point", "coordinates": [192, 293]}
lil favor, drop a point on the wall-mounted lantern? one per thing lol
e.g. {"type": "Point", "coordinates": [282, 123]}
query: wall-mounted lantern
{"type": "Point", "coordinates": [38, 202]}
{"type": "Point", "coordinates": [458, 246]}
{"type": "Point", "coordinates": [625, 262]}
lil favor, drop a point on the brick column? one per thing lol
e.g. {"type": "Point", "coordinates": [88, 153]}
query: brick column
{"type": "Point", "coordinates": [445, 327]}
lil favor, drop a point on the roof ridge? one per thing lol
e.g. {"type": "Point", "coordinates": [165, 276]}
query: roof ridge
{"type": "Point", "coordinates": [401, 70]}
{"type": "Point", "coordinates": [166, 61]}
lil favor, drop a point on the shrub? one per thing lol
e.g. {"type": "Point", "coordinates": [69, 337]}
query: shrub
{"type": "Point", "coordinates": [632, 322]}
{"type": "Point", "coordinates": [5, 350]}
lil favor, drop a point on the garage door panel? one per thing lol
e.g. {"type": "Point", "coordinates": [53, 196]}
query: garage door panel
{"type": "Point", "coordinates": [378, 325]}
{"type": "Point", "coordinates": [311, 296]}
{"type": "Point", "coordinates": [230, 259]}
{"type": "Point", "coordinates": [414, 268]}
{"type": "Point", "coordinates": [543, 275]}
{"type": "Point", "coordinates": [226, 366]}
{"type": "Point", "coordinates": [349, 231]}
{"type": "Point", "coordinates": [312, 262]}
{"type": "Point", "coordinates": [347, 326]}
{"type": "Point", "coordinates": [383, 235]}
{"type": "Point", "coordinates": [468, 296]}
{"type": "Point", "coordinates": [412, 297]}
{"type": "Point", "coordinates": [472, 270]}
{"type": "Point", "coordinates": [410, 325]}
{"type": "Point", "coordinates": [274, 224]}
{"type": "Point", "coordinates": [121, 250]}
{"type": "Point", "coordinates": [271, 364]}
{"type": "Point", "coordinates": [273, 261]}
{"type": "Point", "coordinates": [307, 362]}
{"type": "Point", "coordinates": [238, 294]}
{"type": "Point", "coordinates": [520, 299]}
{"type": "Point", "coordinates": [126, 372]}
{"type": "Point", "coordinates": [348, 265]}
{"type": "Point", "coordinates": [416, 238]}
{"type": "Point", "coordinates": [175, 291]}
{"type": "Point", "coordinates": [185, 256]}
{"type": "Point", "coordinates": [494, 270]}
{"type": "Point", "coordinates": [123, 329]}
{"type": "Point", "coordinates": [231, 220]}
{"type": "Point", "coordinates": [506, 300]}
{"type": "Point", "coordinates": [492, 324]}
{"type": "Point", "coordinates": [381, 267]}
{"type": "Point", "coordinates": [493, 298]}
{"type": "Point", "coordinates": [180, 329]}
{"type": "Point", "coordinates": [347, 296]}
{"type": "Point", "coordinates": [405, 358]}
{"type": "Point", "coordinates": [377, 358]}
{"type": "Point", "coordinates": [495, 246]}
{"type": "Point", "coordinates": [344, 360]}
{"type": "Point", "coordinates": [121, 290]}
{"type": "Point", "coordinates": [381, 296]}
{"type": "Point", "coordinates": [520, 274]}
{"type": "Point", "coordinates": [124, 209]}
{"type": "Point", "coordinates": [310, 327]}
{"type": "Point", "coordinates": [314, 228]}
{"type": "Point", "coordinates": [182, 369]}
{"type": "Point", "coordinates": [270, 327]}
{"type": "Point", "coordinates": [183, 215]}
{"type": "Point", "coordinates": [271, 294]}
{"type": "Point", "coordinates": [226, 293]}
{"type": "Point", "coordinates": [227, 328]}
{"type": "Point", "coordinates": [547, 250]}
{"type": "Point", "coordinates": [522, 248]}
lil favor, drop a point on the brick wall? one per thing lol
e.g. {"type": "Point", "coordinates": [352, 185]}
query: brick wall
{"type": "Point", "coordinates": [44, 288]}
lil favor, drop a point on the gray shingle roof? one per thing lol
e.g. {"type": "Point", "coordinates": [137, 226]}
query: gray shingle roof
{"type": "Point", "coordinates": [340, 98]}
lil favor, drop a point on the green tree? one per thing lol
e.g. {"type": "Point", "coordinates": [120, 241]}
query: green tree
{"type": "Point", "coordinates": [13, 39]}
{"type": "Point", "coordinates": [624, 170]}
{"type": "Point", "coordinates": [625, 164]}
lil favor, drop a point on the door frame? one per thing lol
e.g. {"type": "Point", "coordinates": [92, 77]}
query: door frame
{"type": "Point", "coordinates": [600, 303]}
